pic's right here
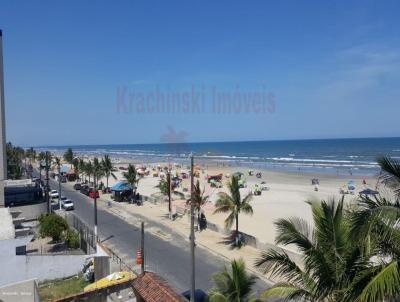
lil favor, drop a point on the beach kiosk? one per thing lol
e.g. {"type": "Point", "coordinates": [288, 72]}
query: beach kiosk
{"type": "Point", "coordinates": [121, 190]}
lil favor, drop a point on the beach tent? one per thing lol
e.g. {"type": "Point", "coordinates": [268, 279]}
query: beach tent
{"type": "Point", "coordinates": [121, 190]}
{"type": "Point", "coordinates": [367, 192]}
{"type": "Point", "coordinates": [122, 186]}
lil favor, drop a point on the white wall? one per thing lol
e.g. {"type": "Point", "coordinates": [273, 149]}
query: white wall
{"type": "Point", "coordinates": [43, 267]}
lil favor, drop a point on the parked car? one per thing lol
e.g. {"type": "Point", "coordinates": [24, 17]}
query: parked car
{"type": "Point", "coordinates": [67, 204]}
{"type": "Point", "coordinates": [84, 189]}
{"type": "Point", "coordinates": [53, 194]}
{"type": "Point", "coordinates": [91, 193]}
{"type": "Point", "coordinates": [77, 186]}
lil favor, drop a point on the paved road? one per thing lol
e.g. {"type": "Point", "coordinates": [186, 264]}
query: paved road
{"type": "Point", "coordinates": [169, 259]}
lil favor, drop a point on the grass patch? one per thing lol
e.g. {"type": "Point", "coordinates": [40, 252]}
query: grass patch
{"type": "Point", "coordinates": [55, 289]}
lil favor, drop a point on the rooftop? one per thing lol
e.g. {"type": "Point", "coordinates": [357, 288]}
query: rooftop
{"type": "Point", "coordinates": [152, 288]}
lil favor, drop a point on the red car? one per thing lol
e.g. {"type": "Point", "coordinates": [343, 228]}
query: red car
{"type": "Point", "coordinates": [91, 193]}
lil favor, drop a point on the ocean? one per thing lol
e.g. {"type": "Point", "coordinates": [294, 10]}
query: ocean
{"type": "Point", "coordinates": [338, 156]}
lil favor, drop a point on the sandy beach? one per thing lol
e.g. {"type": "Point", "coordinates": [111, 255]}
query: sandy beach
{"type": "Point", "coordinates": [285, 197]}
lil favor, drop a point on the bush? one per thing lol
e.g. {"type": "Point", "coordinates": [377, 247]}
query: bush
{"type": "Point", "coordinates": [72, 239]}
{"type": "Point", "coordinates": [52, 225]}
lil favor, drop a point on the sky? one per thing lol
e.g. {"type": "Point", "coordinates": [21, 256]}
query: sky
{"type": "Point", "coordinates": [126, 72]}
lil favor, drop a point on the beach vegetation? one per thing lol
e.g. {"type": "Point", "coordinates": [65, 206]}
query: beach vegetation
{"type": "Point", "coordinates": [233, 204]}
{"type": "Point", "coordinates": [14, 161]}
{"type": "Point", "coordinates": [108, 168]}
{"type": "Point", "coordinates": [52, 225]}
{"type": "Point", "coordinates": [337, 265]}
{"type": "Point", "coordinates": [233, 283]}
{"type": "Point", "coordinates": [69, 156]}
{"type": "Point", "coordinates": [132, 177]}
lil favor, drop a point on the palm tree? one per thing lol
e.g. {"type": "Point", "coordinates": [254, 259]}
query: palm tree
{"type": "Point", "coordinates": [233, 204]}
{"type": "Point", "coordinates": [168, 187]}
{"type": "Point", "coordinates": [41, 157]}
{"type": "Point", "coordinates": [233, 284]}
{"type": "Point", "coordinates": [69, 156]}
{"type": "Point", "coordinates": [98, 171]}
{"type": "Point", "coordinates": [108, 168]}
{"type": "Point", "coordinates": [199, 199]}
{"type": "Point", "coordinates": [132, 177]}
{"type": "Point", "coordinates": [336, 268]}
{"type": "Point", "coordinates": [88, 167]}
{"type": "Point", "coordinates": [76, 164]}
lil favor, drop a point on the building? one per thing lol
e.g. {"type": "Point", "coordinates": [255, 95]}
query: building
{"type": "Point", "coordinates": [3, 160]}
{"type": "Point", "coordinates": [26, 197]}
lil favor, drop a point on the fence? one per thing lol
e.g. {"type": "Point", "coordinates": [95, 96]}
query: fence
{"type": "Point", "coordinates": [123, 266]}
{"type": "Point", "coordinates": [86, 234]}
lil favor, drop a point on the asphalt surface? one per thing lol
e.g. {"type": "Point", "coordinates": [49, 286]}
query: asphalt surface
{"type": "Point", "coordinates": [168, 258]}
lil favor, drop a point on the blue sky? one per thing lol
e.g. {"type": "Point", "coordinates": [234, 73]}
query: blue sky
{"type": "Point", "coordinates": [325, 69]}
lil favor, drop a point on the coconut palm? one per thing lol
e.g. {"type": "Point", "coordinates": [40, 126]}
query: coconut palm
{"type": "Point", "coordinates": [108, 168]}
{"type": "Point", "coordinates": [88, 168]}
{"type": "Point", "coordinates": [233, 284]}
{"type": "Point", "coordinates": [98, 171]}
{"type": "Point", "coordinates": [199, 199]}
{"type": "Point", "coordinates": [336, 268]}
{"type": "Point", "coordinates": [168, 187]}
{"type": "Point", "coordinates": [233, 204]}
{"type": "Point", "coordinates": [390, 175]}
{"type": "Point", "coordinates": [69, 156]}
{"type": "Point", "coordinates": [75, 163]}
{"type": "Point", "coordinates": [132, 177]}
{"type": "Point", "coordinates": [41, 157]}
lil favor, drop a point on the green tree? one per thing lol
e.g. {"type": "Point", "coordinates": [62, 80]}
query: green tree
{"type": "Point", "coordinates": [76, 164]}
{"type": "Point", "coordinates": [168, 187]}
{"type": "Point", "coordinates": [336, 268]}
{"type": "Point", "coordinates": [72, 239]}
{"type": "Point", "coordinates": [108, 168]}
{"type": "Point", "coordinates": [69, 156]}
{"type": "Point", "coordinates": [41, 156]}
{"type": "Point", "coordinates": [233, 204]}
{"type": "Point", "coordinates": [88, 168]}
{"type": "Point", "coordinates": [199, 199]}
{"type": "Point", "coordinates": [132, 177]}
{"type": "Point", "coordinates": [14, 161]}
{"type": "Point", "coordinates": [233, 284]}
{"type": "Point", "coordinates": [52, 225]}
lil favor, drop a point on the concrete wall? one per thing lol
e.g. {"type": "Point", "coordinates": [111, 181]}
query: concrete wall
{"type": "Point", "coordinates": [16, 268]}
{"type": "Point", "coordinates": [24, 291]}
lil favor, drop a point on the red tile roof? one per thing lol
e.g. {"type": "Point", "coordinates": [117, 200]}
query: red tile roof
{"type": "Point", "coordinates": [152, 288]}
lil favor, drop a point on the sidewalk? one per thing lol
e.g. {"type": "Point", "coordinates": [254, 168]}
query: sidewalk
{"type": "Point", "coordinates": [207, 239]}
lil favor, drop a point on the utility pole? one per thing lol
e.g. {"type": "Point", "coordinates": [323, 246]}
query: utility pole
{"type": "Point", "coordinates": [142, 247]}
{"type": "Point", "coordinates": [192, 239]}
{"type": "Point", "coordinates": [169, 193]}
{"type": "Point", "coordinates": [59, 185]}
{"type": "Point", "coordinates": [47, 190]}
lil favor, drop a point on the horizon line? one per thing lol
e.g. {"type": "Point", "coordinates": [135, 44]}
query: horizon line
{"type": "Point", "coordinates": [213, 142]}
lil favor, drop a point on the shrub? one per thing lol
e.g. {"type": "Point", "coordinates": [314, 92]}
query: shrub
{"type": "Point", "coordinates": [52, 225]}
{"type": "Point", "coordinates": [72, 239]}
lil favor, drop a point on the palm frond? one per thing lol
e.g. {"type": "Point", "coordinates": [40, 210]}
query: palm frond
{"type": "Point", "coordinates": [391, 173]}
{"type": "Point", "coordinates": [288, 292]}
{"type": "Point", "coordinates": [294, 231]}
{"type": "Point", "coordinates": [384, 284]}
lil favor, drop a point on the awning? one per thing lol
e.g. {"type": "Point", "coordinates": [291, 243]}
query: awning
{"type": "Point", "coordinates": [122, 186]}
